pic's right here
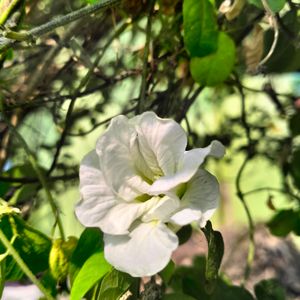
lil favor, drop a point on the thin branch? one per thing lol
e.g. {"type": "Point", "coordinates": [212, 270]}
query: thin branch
{"type": "Point", "coordinates": [95, 126]}
{"type": "Point", "coordinates": [241, 195]}
{"type": "Point", "coordinates": [268, 189]}
{"type": "Point", "coordinates": [36, 32]}
{"type": "Point", "coordinates": [62, 139]}
{"type": "Point", "coordinates": [32, 160]}
{"type": "Point", "coordinates": [60, 98]}
{"type": "Point", "coordinates": [188, 103]}
{"type": "Point", "coordinates": [24, 180]}
{"type": "Point", "coordinates": [141, 102]}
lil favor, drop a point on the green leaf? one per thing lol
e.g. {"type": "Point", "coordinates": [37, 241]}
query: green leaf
{"type": "Point", "coordinates": [24, 194]}
{"type": "Point", "coordinates": [16, 172]}
{"type": "Point", "coordinates": [275, 5]}
{"type": "Point", "coordinates": [177, 296]}
{"type": "Point", "coordinates": [284, 222]}
{"type": "Point", "coordinates": [91, 272]}
{"type": "Point", "coordinates": [200, 27]}
{"type": "Point", "coordinates": [184, 234]}
{"type": "Point", "coordinates": [269, 290]}
{"type": "Point", "coordinates": [215, 255]}
{"type": "Point", "coordinates": [225, 291]}
{"type": "Point", "coordinates": [215, 68]}
{"type": "Point", "coordinates": [90, 241]}
{"type": "Point", "coordinates": [167, 273]}
{"type": "Point", "coordinates": [32, 245]}
{"type": "Point", "coordinates": [114, 285]}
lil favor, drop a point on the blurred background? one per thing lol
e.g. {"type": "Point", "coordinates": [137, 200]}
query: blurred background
{"type": "Point", "coordinates": [61, 90]}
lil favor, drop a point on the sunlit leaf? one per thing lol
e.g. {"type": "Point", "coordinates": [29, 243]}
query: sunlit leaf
{"type": "Point", "coordinates": [91, 272]}
{"type": "Point", "coordinates": [275, 5]}
{"type": "Point", "coordinates": [200, 27]}
{"type": "Point", "coordinates": [32, 245]}
{"type": "Point", "coordinates": [90, 241]}
{"type": "Point", "coordinates": [214, 68]}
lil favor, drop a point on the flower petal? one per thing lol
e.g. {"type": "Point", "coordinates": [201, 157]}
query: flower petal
{"type": "Point", "coordinates": [163, 209]}
{"type": "Point", "coordinates": [199, 201]}
{"type": "Point", "coordinates": [145, 252]}
{"type": "Point", "coordinates": [120, 217]}
{"type": "Point", "coordinates": [187, 167]}
{"type": "Point", "coordinates": [117, 162]}
{"type": "Point", "coordinates": [162, 142]}
{"type": "Point", "coordinates": [97, 197]}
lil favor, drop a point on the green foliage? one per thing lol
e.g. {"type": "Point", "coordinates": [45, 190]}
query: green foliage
{"type": "Point", "coordinates": [167, 273]}
{"type": "Point", "coordinates": [94, 268]}
{"type": "Point", "coordinates": [200, 27]}
{"type": "Point", "coordinates": [284, 222]}
{"type": "Point", "coordinates": [114, 285]}
{"type": "Point", "coordinates": [275, 5]}
{"type": "Point", "coordinates": [269, 290]}
{"type": "Point", "coordinates": [32, 246]}
{"type": "Point", "coordinates": [213, 69]}
{"type": "Point", "coordinates": [90, 242]}
{"type": "Point", "coordinates": [215, 255]}
{"type": "Point", "coordinates": [177, 296]}
{"type": "Point", "coordinates": [184, 234]}
{"type": "Point", "coordinates": [191, 281]}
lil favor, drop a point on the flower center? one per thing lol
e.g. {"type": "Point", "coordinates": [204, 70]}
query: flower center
{"type": "Point", "coordinates": [143, 198]}
{"type": "Point", "coordinates": [181, 189]}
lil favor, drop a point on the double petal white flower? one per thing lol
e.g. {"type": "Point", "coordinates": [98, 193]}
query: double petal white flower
{"type": "Point", "coordinates": [140, 185]}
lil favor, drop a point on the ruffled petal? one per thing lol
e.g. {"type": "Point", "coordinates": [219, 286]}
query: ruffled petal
{"type": "Point", "coordinates": [119, 218]}
{"type": "Point", "coordinates": [199, 201]}
{"type": "Point", "coordinates": [187, 167]}
{"type": "Point", "coordinates": [145, 252]}
{"type": "Point", "coordinates": [116, 160]}
{"type": "Point", "coordinates": [97, 197]}
{"type": "Point", "coordinates": [163, 209]}
{"type": "Point", "coordinates": [161, 142]}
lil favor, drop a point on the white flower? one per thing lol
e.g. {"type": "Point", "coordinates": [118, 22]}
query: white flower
{"type": "Point", "coordinates": [139, 184]}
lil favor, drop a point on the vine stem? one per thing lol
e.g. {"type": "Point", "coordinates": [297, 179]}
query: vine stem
{"type": "Point", "coordinates": [23, 266]}
{"type": "Point", "coordinates": [32, 160]}
{"type": "Point", "coordinates": [38, 31]}
{"type": "Point", "coordinates": [251, 249]}
{"type": "Point", "coordinates": [240, 194]}
{"type": "Point", "coordinates": [142, 96]}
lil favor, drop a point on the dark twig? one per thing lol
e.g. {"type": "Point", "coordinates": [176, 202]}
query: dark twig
{"type": "Point", "coordinates": [25, 180]}
{"type": "Point", "coordinates": [95, 126]}
{"type": "Point", "coordinates": [141, 102]}
{"type": "Point", "coordinates": [62, 139]}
